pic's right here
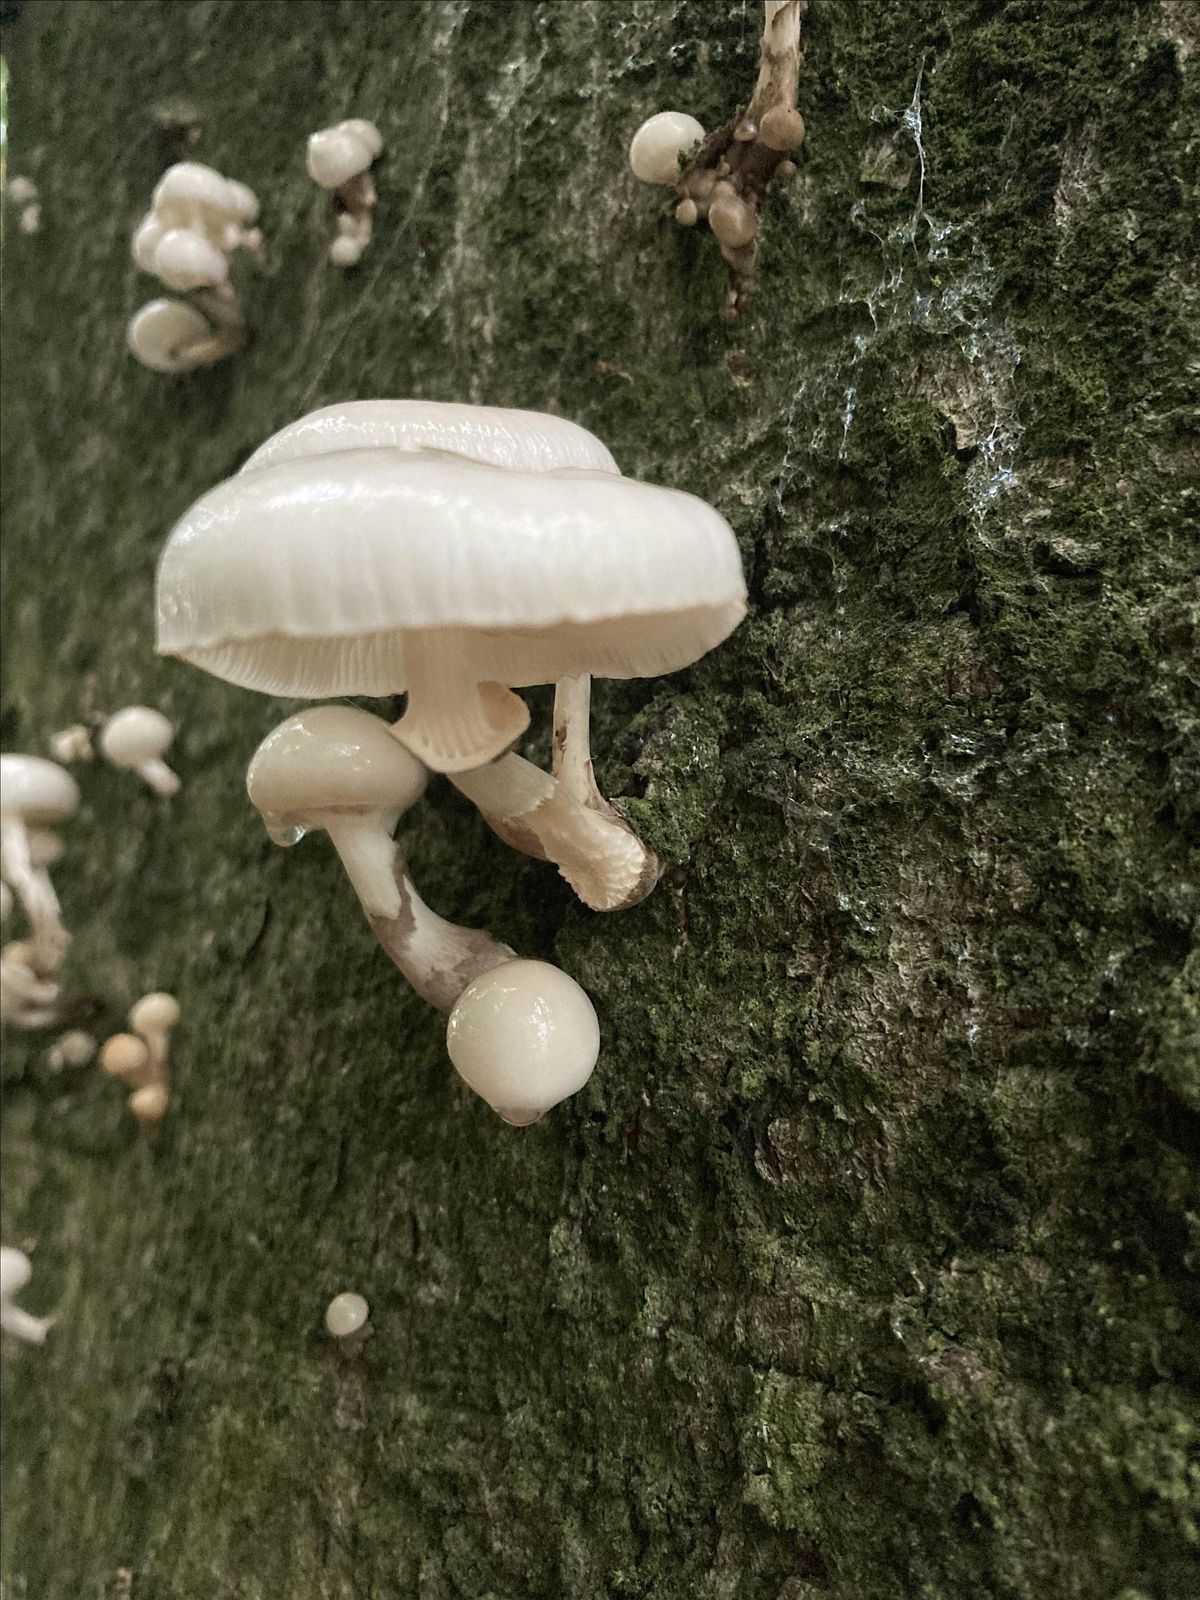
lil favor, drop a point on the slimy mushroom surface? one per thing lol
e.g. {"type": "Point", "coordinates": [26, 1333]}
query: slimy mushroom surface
{"type": "Point", "coordinates": [346, 1314]}
{"type": "Point", "coordinates": [524, 1036]}
{"type": "Point", "coordinates": [659, 143]}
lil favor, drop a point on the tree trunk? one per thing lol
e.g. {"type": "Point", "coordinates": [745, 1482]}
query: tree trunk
{"type": "Point", "coordinates": [861, 1268]}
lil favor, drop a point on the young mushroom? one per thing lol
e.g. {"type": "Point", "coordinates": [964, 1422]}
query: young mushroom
{"type": "Point", "coordinates": [72, 744]}
{"type": "Point", "coordinates": [524, 1036]}
{"type": "Point", "coordinates": [338, 770]}
{"type": "Point", "coordinates": [726, 180]}
{"type": "Point", "coordinates": [33, 793]}
{"type": "Point", "coordinates": [172, 336]}
{"type": "Point", "coordinates": [73, 1049]}
{"type": "Point", "coordinates": [127, 1057]}
{"type": "Point", "coordinates": [15, 1272]}
{"type": "Point", "coordinates": [346, 1317]}
{"type": "Point", "coordinates": [339, 158]}
{"type": "Point", "coordinates": [153, 1018]}
{"type": "Point", "coordinates": [457, 554]}
{"type": "Point", "coordinates": [138, 738]}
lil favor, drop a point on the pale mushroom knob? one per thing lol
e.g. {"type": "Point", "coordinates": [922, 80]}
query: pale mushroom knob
{"type": "Point", "coordinates": [167, 336]}
{"type": "Point", "coordinates": [442, 574]}
{"type": "Point", "coordinates": [346, 1314]}
{"type": "Point", "coordinates": [127, 1057]}
{"type": "Point", "coordinates": [149, 1103]}
{"type": "Point", "coordinates": [137, 737]}
{"type": "Point", "coordinates": [337, 154]}
{"type": "Point", "coordinates": [524, 1036]}
{"type": "Point", "coordinates": [154, 1015]}
{"type": "Point", "coordinates": [185, 259]}
{"type": "Point", "coordinates": [658, 144]}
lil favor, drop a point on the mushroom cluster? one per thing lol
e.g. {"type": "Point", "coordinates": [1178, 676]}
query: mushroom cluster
{"type": "Point", "coordinates": [141, 1058]}
{"type": "Point", "coordinates": [725, 179]}
{"type": "Point", "coordinates": [339, 159]}
{"type": "Point", "coordinates": [452, 553]}
{"type": "Point", "coordinates": [35, 796]}
{"type": "Point", "coordinates": [197, 220]}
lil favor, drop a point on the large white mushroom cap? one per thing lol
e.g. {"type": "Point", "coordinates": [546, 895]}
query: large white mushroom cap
{"type": "Point", "coordinates": [658, 144]}
{"type": "Point", "coordinates": [337, 563]}
{"type": "Point", "coordinates": [37, 790]}
{"type": "Point", "coordinates": [191, 195]}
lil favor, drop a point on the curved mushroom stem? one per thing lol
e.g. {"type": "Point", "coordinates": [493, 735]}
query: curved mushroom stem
{"type": "Point", "coordinates": [597, 852]}
{"type": "Point", "coordinates": [23, 1325]}
{"type": "Point", "coordinates": [35, 891]}
{"type": "Point", "coordinates": [159, 777]}
{"type": "Point", "coordinates": [779, 59]}
{"type": "Point", "coordinates": [453, 722]}
{"type": "Point", "coordinates": [438, 958]}
{"type": "Point", "coordinates": [220, 305]}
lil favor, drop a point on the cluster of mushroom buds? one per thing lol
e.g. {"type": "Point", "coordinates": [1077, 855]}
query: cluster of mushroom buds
{"type": "Point", "coordinates": [452, 553]}
{"type": "Point", "coordinates": [136, 738]}
{"type": "Point", "coordinates": [23, 192]}
{"type": "Point", "coordinates": [141, 1058]}
{"type": "Point", "coordinates": [722, 178]}
{"type": "Point", "coordinates": [35, 796]}
{"type": "Point", "coordinates": [339, 159]}
{"type": "Point", "coordinates": [197, 220]}
{"type": "Point", "coordinates": [15, 1272]}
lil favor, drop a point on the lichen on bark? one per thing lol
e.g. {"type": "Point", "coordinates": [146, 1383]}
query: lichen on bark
{"type": "Point", "coordinates": [865, 1264]}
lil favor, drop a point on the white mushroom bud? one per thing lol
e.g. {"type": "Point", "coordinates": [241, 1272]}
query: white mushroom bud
{"type": "Point", "coordinates": [74, 1049]}
{"type": "Point", "coordinates": [186, 259]}
{"type": "Point", "coordinates": [127, 1057]}
{"type": "Point", "coordinates": [152, 1018]}
{"type": "Point", "coordinates": [31, 219]}
{"type": "Point", "coordinates": [659, 143]}
{"type": "Point", "coordinates": [137, 737]}
{"type": "Point", "coordinates": [172, 336]}
{"type": "Point", "coordinates": [34, 792]}
{"type": "Point", "coordinates": [21, 190]}
{"type": "Point", "coordinates": [193, 196]}
{"type": "Point", "coordinates": [524, 1036]}
{"type": "Point", "coordinates": [72, 744]}
{"type": "Point", "coordinates": [27, 999]}
{"type": "Point", "coordinates": [149, 1103]}
{"type": "Point", "coordinates": [339, 770]}
{"type": "Point", "coordinates": [15, 1272]}
{"type": "Point", "coordinates": [346, 1315]}
{"type": "Point", "coordinates": [339, 158]}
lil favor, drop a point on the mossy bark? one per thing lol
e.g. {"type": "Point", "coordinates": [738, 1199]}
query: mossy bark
{"type": "Point", "coordinates": [865, 1266]}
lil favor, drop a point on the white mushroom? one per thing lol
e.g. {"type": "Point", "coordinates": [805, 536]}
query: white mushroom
{"type": "Point", "coordinates": [138, 737]}
{"type": "Point", "coordinates": [524, 1036]}
{"type": "Point", "coordinates": [658, 144]}
{"type": "Point", "coordinates": [522, 557]}
{"type": "Point", "coordinates": [173, 336]}
{"type": "Point", "coordinates": [74, 1049]}
{"type": "Point", "coordinates": [192, 196]}
{"type": "Point", "coordinates": [15, 1273]}
{"type": "Point", "coordinates": [339, 770]}
{"type": "Point", "coordinates": [127, 1057]}
{"type": "Point", "coordinates": [149, 1103]}
{"type": "Point", "coordinates": [34, 792]}
{"type": "Point", "coordinates": [27, 999]}
{"type": "Point", "coordinates": [346, 1315]}
{"type": "Point", "coordinates": [339, 158]}
{"type": "Point", "coordinates": [72, 744]}
{"type": "Point", "coordinates": [152, 1018]}
{"type": "Point", "coordinates": [22, 191]}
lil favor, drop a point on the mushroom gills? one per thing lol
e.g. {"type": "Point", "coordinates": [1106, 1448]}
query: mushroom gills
{"type": "Point", "coordinates": [453, 722]}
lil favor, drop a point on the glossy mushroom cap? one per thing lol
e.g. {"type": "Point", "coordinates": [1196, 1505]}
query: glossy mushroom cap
{"type": "Point", "coordinates": [154, 1013]}
{"type": "Point", "coordinates": [330, 759]}
{"type": "Point", "coordinates": [524, 1036]}
{"type": "Point", "coordinates": [37, 790]}
{"type": "Point", "coordinates": [15, 1271]}
{"type": "Point", "coordinates": [163, 334]}
{"type": "Point", "coordinates": [135, 735]}
{"type": "Point", "coordinates": [189, 194]}
{"type": "Point", "coordinates": [335, 155]}
{"type": "Point", "coordinates": [658, 144]}
{"type": "Point", "coordinates": [373, 570]}
{"type": "Point", "coordinates": [346, 1314]}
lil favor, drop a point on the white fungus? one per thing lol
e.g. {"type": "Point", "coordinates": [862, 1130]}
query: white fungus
{"type": "Point", "coordinates": [346, 1314]}
{"type": "Point", "coordinates": [73, 1049]}
{"type": "Point", "coordinates": [27, 998]}
{"type": "Point", "coordinates": [658, 144]}
{"type": "Point", "coordinates": [137, 737]}
{"type": "Point", "coordinates": [15, 1272]}
{"type": "Point", "coordinates": [173, 336]}
{"type": "Point", "coordinates": [34, 792]}
{"type": "Point", "coordinates": [524, 1036]}
{"type": "Point", "coordinates": [72, 744]}
{"type": "Point", "coordinates": [339, 159]}
{"type": "Point", "coordinates": [153, 1019]}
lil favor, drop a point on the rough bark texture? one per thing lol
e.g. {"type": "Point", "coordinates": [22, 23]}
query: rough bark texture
{"type": "Point", "coordinates": [862, 1268]}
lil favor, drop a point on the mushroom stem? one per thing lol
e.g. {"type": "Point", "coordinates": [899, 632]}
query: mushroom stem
{"type": "Point", "coordinates": [453, 722]}
{"type": "Point", "coordinates": [597, 852]}
{"type": "Point", "coordinates": [779, 59]}
{"type": "Point", "coordinates": [220, 305]}
{"type": "Point", "coordinates": [572, 741]}
{"type": "Point", "coordinates": [438, 958]}
{"type": "Point", "coordinates": [158, 775]}
{"type": "Point", "coordinates": [23, 1325]}
{"type": "Point", "coordinates": [35, 891]}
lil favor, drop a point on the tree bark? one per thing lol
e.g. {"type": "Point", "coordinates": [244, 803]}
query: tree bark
{"type": "Point", "coordinates": [861, 1267]}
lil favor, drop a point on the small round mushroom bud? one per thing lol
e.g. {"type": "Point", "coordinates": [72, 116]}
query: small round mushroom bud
{"type": "Point", "coordinates": [152, 1019]}
{"type": "Point", "coordinates": [184, 259]}
{"type": "Point", "coordinates": [786, 170]}
{"type": "Point", "coordinates": [346, 1314]}
{"type": "Point", "coordinates": [524, 1036]}
{"type": "Point", "coordinates": [137, 738]}
{"type": "Point", "coordinates": [782, 128]}
{"type": "Point", "coordinates": [72, 744]}
{"type": "Point", "coordinates": [172, 336]}
{"type": "Point", "coordinates": [687, 214]}
{"type": "Point", "coordinates": [658, 144]}
{"type": "Point", "coordinates": [745, 131]}
{"type": "Point", "coordinates": [21, 191]}
{"type": "Point", "coordinates": [345, 251]}
{"type": "Point", "coordinates": [127, 1057]}
{"type": "Point", "coordinates": [335, 155]}
{"type": "Point", "coordinates": [149, 1103]}
{"type": "Point", "coordinates": [15, 1273]}
{"type": "Point", "coordinates": [74, 1049]}
{"type": "Point", "coordinates": [31, 219]}
{"type": "Point", "coordinates": [731, 218]}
